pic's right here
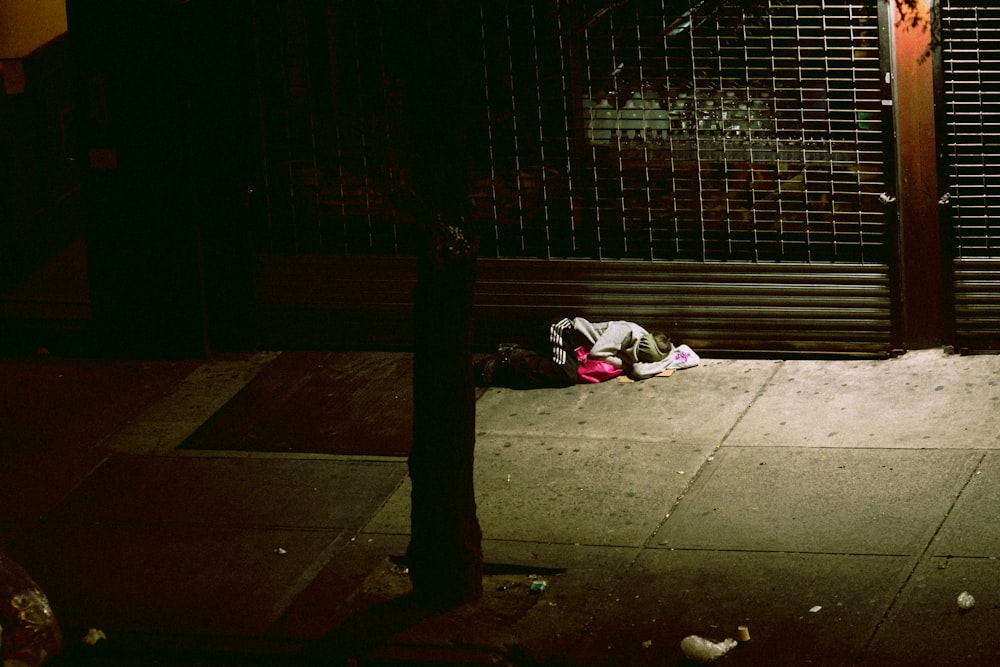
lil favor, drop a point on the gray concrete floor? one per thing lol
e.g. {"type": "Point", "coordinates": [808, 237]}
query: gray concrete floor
{"type": "Point", "coordinates": [835, 508]}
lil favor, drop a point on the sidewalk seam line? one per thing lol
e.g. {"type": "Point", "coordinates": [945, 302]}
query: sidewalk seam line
{"type": "Point", "coordinates": [760, 392]}
{"type": "Point", "coordinates": [920, 558]}
{"type": "Point", "coordinates": [698, 473]}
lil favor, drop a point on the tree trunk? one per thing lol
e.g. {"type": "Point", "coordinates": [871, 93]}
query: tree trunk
{"type": "Point", "coordinates": [435, 46]}
{"type": "Point", "coordinates": [445, 551]}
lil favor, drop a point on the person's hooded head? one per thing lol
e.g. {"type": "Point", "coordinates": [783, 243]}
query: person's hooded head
{"type": "Point", "coordinates": [653, 347]}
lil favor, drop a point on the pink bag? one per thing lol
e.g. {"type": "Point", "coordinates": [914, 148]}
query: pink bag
{"type": "Point", "coordinates": [594, 370]}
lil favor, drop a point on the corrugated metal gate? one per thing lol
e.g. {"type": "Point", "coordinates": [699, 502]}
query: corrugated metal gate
{"type": "Point", "coordinates": [971, 95]}
{"type": "Point", "coordinates": [713, 173]}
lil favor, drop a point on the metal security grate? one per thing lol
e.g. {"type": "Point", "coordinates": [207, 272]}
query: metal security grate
{"type": "Point", "coordinates": [971, 57]}
{"type": "Point", "coordinates": [971, 91]}
{"type": "Point", "coordinates": [624, 130]}
{"type": "Point", "coordinates": [610, 129]}
{"type": "Point", "coordinates": [716, 173]}
{"type": "Point", "coordinates": [332, 135]}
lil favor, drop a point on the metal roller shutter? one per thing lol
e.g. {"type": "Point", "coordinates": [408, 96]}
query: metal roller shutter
{"type": "Point", "coordinates": [788, 307]}
{"type": "Point", "coordinates": [717, 171]}
{"type": "Point", "coordinates": [971, 76]}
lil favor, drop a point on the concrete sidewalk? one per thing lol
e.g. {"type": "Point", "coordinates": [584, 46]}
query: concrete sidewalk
{"type": "Point", "coordinates": [835, 508]}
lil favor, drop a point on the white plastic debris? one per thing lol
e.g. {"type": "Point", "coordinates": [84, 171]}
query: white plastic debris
{"type": "Point", "coordinates": [966, 601]}
{"type": "Point", "coordinates": [93, 636]}
{"type": "Point", "coordinates": [704, 650]}
{"type": "Point", "coordinates": [815, 610]}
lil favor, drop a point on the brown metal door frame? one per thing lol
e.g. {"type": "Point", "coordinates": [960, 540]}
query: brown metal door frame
{"type": "Point", "coordinates": [919, 270]}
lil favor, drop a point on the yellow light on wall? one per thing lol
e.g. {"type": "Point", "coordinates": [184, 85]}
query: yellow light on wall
{"type": "Point", "coordinates": [26, 25]}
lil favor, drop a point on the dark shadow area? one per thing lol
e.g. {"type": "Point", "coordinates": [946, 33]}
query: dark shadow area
{"type": "Point", "coordinates": [367, 630]}
{"type": "Point", "coordinates": [319, 402]}
{"type": "Point", "coordinates": [388, 613]}
{"type": "Point", "coordinates": [54, 404]}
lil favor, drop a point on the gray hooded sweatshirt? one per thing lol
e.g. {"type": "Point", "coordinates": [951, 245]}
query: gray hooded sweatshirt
{"type": "Point", "coordinates": [617, 343]}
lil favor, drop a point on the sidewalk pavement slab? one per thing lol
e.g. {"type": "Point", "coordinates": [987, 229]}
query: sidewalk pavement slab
{"type": "Point", "coordinates": [198, 546]}
{"type": "Point", "coordinates": [924, 398]}
{"type": "Point", "coordinates": [970, 529]}
{"type": "Point", "coordinates": [174, 580]}
{"type": "Point", "coordinates": [848, 501]}
{"type": "Point", "coordinates": [696, 406]}
{"type": "Point", "coordinates": [233, 491]}
{"type": "Point", "coordinates": [594, 579]}
{"type": "Point", "coordinates": [568, 490]}
{"type": "Point", "coordinates": [510, 623]}
{"type": "Point", "coordinates": [168, 423]}
{"type": "Point", "coordinates": [58, 405]}
{"type": "Point", "coordinates": [337, 590]}
{"type": "Point", "coordinates": [926, 626]}
{"type": "Point", "coordinates": [710, 593]}
{"type": "Point", "coordinates": [32, 485]}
